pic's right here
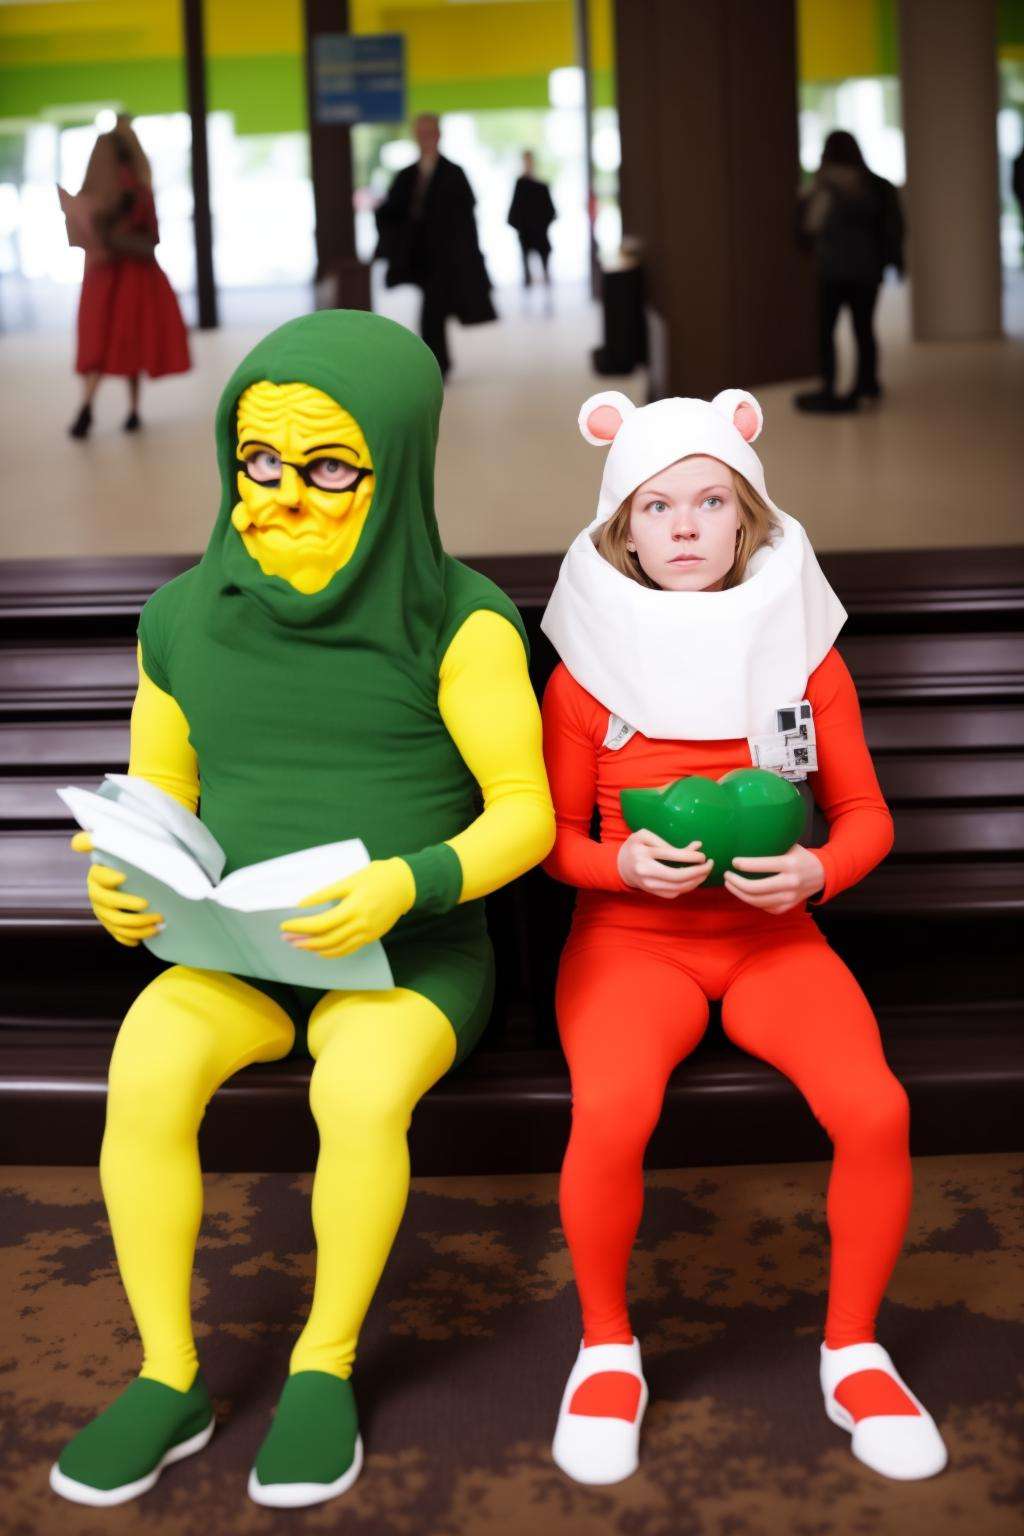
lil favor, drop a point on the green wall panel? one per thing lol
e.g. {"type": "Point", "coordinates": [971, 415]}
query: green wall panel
{"type": "Point", "coordinates": [266, 93]}
{"type": "Point", "coordinates": [504, 94]}
{"type": "Point", "coordinates": [140, 85]}
{"type": "Point", "coordinates": [1011, 22]}
{"type": "Point", "coordinates": [888, 38]}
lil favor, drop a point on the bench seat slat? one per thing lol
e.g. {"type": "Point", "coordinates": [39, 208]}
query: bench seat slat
{"type": "Point", "coordinates": [956, 727]}
{"type": "Point", "coordinates": [73, 677]}
{"type": "Point", "coordinates": [967, 780]}
{"type": "Point", "coordinates": [97, 744]}
{"type": "Point", "coordinates": [41, 877]}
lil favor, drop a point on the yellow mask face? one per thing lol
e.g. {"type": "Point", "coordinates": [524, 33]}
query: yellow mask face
{"type": "Point", "coordinates": [307, 483]}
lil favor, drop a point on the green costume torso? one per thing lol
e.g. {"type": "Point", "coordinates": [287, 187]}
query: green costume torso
{"type": "Point", "coordinates": [315, 718]}
{"type": "Point", "coordinates": [300, 743]}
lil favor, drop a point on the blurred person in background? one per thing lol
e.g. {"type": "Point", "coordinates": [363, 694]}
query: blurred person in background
{"type": "Point", "coordinates": [852, 221]}
{"type": "Point", "coordinates": [427, 235]}
{"type": "Point", "coordinates": [129, 322]}
{"type": "Point", "coordinates": [531, 215]}
{"type": "Point", "coordinates": [1017, 182]}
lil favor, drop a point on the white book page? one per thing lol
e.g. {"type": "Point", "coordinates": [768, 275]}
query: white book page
{"type": "Point", "coordinates": [137, 794]}
{"type": "Point", "coordinates": [90, 809]}
{"type": "Point", "coordinates": [289, 879]}
{"type": "Point", "coordinates": [165, 861]}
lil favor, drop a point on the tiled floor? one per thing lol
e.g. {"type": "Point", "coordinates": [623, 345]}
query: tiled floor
{"type": "Point", "coordinates": [469, 1338]}
{"type": "Point", "coordinates": [939, 464]}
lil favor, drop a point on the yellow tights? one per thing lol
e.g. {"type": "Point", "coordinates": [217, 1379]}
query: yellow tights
{"type": "Point", "coordinates": [375, 1054]}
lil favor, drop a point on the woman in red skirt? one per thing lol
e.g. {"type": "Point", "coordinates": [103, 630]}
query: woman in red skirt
{"type": "Point", "coordinates": [692, 621]}
{"type": "Point", "coordinates": [129, 322]}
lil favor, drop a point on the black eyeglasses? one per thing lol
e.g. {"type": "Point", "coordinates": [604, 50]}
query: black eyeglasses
{"type": "Point", "coordinates": [315, 474]}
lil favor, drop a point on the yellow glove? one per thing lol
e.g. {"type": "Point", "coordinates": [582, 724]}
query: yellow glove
{"type": "Point", "coordinates": [120, 914]}
{"type": "Point", "coordinates": [369, 905]}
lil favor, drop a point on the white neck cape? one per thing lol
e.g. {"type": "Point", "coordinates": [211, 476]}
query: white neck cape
{"type": "Point", "coordinates": [695, 666]}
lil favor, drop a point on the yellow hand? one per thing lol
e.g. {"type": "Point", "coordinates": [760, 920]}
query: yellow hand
{"type": "Point", "coordinates": [120, 914]}
{"type": "Point", "coordinates": [369, 904]}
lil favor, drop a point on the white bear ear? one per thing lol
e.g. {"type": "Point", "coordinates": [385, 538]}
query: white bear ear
{"type": "Point", "coordinates": [742, 410]}
{"type": "Point", "coordinates": [602, 415]}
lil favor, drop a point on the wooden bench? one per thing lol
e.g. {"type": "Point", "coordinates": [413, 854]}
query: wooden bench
{"type": "Point", "coordinates": [936, 646]}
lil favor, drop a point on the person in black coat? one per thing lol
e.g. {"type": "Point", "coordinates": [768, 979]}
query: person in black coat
{"type": "Point", "coordinates": [851, 219]}
{"type": "Point", "coordinates": [427, 235]}
{"type": "Point", "coordinates": [1017, 182]}
{"type": "Point", "coordinates": [531, 215]}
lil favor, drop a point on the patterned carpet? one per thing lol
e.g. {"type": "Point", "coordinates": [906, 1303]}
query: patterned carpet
{"type": "Point", "coordinates": [472, 1333]}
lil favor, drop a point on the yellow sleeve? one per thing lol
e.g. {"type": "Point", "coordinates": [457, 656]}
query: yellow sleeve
{"type": "Point", "coordinates": [160, 749]}
{"type": "Point", "coordinates": [488, 704]}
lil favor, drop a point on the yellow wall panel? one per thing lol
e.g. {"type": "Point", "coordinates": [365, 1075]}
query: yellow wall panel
{"type": "Point", "coordinates": [485, 40]}
{"type": "Point", "coordinates": [446, 41]}
{"type": "Point", "coordinates": [602, 35]}
{"type": "Point", "coordinates": [242, 28]}
{"type": "Point", "coordinates": [837, 39]}
{"type": "Point", "coordinates": [477, 46]}
{"type": "Point", "coordinates": [85, 31]}
{"type": "Point", "coordinates": [81, 31]}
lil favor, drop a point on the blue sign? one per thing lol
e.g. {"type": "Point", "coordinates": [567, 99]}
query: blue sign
{"type": "Point", "coordinates": [358, 79]}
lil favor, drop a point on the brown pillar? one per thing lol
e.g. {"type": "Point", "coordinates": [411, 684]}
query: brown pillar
{"type": "Point", "coordinates": [581, 27]}
{"type": "Point", "coordinates": [950, 99]}
{"type": "Point", "coordinates": [195, 81]}
{"type": "Point", "coordinates": [710, 169]}
{"type": "Point", "coordinates": [330, 160]}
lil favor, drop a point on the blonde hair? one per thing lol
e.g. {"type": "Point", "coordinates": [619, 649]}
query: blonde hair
{"type": "Point", "coordinates": [757, 524]}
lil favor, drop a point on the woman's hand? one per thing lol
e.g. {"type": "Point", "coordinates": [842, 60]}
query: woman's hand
{"type": "Point", "coordinates": [125, 917]}
{"type": "Point", "coordinates": [639, 865]}
{"type": "Point", "coordinates": [369, 904]}
{"type": "Point", "coordinates": [792, 878]}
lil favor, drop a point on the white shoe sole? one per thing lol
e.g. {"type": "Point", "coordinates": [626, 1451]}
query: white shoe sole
{"type": "Point", "coordinates": [928, 1465]}
{"type": "Point", "coordinates": [576, 1459]}
{"type": "Point", "coordinates": [297, 1495]}
{"type": "Point", "coordinates": [103, 1498]}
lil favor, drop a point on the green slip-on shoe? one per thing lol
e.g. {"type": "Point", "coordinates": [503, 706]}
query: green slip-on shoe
{"type": "Point", "coordinates": [313, 1451]}
{"type": "Point", "coordinates": [123, 1451]}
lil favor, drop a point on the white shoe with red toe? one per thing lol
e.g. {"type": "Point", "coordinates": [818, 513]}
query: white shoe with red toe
{"type": "Point", "coordinates": [597, 1438]}
{"type": "Point", "coordinates": [893, 1433]}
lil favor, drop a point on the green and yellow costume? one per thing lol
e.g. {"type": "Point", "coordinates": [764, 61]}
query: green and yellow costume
{"type": "Point", "coordinates": [325, 672]}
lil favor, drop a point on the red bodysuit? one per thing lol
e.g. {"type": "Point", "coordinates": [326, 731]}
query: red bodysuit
{"type": "Point", "coordinates": [636, 975]}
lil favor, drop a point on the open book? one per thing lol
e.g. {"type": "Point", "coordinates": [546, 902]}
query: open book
{"type": "Point", "coordinates": [79, 210]}
{"type": "Point", "coordinates": [232, 925]}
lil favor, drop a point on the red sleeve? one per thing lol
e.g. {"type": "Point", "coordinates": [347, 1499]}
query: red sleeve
{"type": "Point", "coordinates": [570, 754]}
{"type": "Point", "coordinates": [845, 785]}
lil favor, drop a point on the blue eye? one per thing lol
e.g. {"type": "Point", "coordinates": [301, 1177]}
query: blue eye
{"type": "Point", "coordinates": [264, 467]}
{"type": "Point", "coordinates": [716, 500]}
{"type": "Point", "coordinates": [656, 506]}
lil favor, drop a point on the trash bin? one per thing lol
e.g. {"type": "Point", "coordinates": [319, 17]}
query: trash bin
{"type": "Point", "coordinates": [345, 286]}
{"type": "Point", "coordinates": [625, 322]}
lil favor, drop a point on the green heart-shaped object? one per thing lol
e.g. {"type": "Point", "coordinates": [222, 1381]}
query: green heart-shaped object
{"type": "Point", "coordinates": [747, 813]}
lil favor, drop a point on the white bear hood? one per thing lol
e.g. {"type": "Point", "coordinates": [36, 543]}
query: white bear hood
{"type": "Point", "coordinates": [693, 666]}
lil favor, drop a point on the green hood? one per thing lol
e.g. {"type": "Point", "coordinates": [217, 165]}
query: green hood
{"type": "Point", "coordinates": [391, 591]}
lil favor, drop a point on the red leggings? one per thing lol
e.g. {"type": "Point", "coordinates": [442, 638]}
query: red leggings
{"type": "Point", "coordinates": [632, 1005]}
